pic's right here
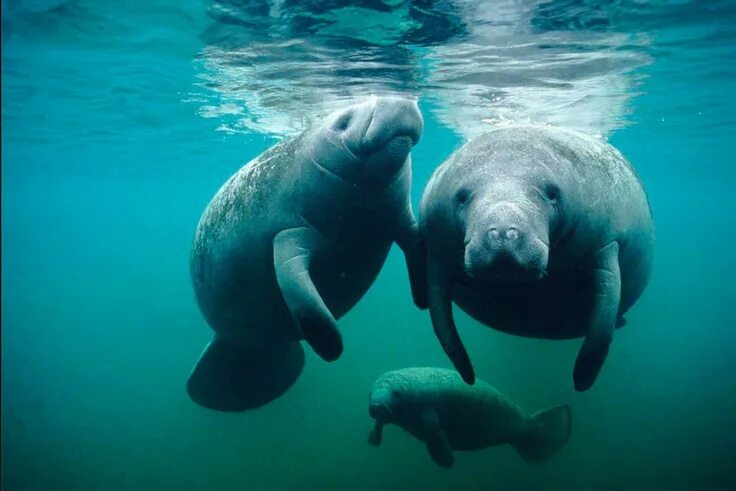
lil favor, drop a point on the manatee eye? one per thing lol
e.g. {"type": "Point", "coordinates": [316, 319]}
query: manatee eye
{"type": "Point", "coordinates": [342, 122]}
{"type": "Point", "coordinates": [462, 196]}
{"type": "Point", "coordinates": [552, 192]}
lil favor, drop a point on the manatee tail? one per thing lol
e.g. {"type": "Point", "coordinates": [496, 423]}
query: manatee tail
{"type": "Point", "coordinates": [549, 431]}
{"type": "Point", "coordinates": [233, 377]}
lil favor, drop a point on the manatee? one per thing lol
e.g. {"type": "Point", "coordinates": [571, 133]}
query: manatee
{"type": "Point", "coordinates": [293, 240]}
{"type": "Point", "coordinates": [437, 407]}
{"type": "Point", "coordinates": [538, 232]}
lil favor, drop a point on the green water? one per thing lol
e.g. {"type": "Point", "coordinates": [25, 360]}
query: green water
{"type": "Point", "coordinates": [106, 170]}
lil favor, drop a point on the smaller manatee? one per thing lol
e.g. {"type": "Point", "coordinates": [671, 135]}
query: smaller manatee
{"type": "Point", "coordinates": [436, 406]}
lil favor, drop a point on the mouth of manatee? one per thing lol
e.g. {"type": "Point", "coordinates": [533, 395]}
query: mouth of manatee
{"type": "Point", "coordinates": [525, 265]}
{"type": "Point", "coordinates": [375, 138]}
{"type": "Point", "coordinates": [399, 142]}
{"type": "Point", "coordinates": [505, 272]}
{"type": "Point", "coordinates": [508, 277]}
{"type": "Point", "coordinates": [380, 411]}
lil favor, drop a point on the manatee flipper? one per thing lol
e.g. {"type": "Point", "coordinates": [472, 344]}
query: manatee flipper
{"type": "Point", "coordinates": [234, 377]}
{"type": "Point", "coordinates": [435, 438]}
{"type": "Point", "coordinates": [376, 435]}
{"type": "Point", "coordinates": [292, 254]}
{"type": "Point", "coordinates": [548, 431]}
{"type": "Point", "coordinates": [440, 311]}
{"type": "Point", "coordinates": [606, 277]}
{"type": "Point", "coordinates": [411, 243]}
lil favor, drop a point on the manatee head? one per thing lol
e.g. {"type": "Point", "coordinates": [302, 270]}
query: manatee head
{"type": "Point", "coordinates": [369, 140]}
{"type": "Point", "coordinates": [508, 207]}
{"type": "Point", "coordinates": [388, 399]}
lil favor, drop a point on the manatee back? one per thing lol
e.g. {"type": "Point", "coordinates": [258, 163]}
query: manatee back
{"type": "Point", "coordinates": [231, 263]}
{"type": "Point", "coordinates": [243, 207]}
{"type": "Point", "coordinates": [473, 416]}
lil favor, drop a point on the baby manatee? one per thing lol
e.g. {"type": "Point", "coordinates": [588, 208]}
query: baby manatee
{"type": "Point", "coordinates": [436, 406]}
{"type": "Point", "coordinates": [293, 240]}
{"type": "Point", "coordinates": [538, 232]}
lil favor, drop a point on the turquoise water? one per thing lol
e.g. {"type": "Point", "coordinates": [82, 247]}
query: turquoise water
{"type": "Point", "coordinates": [121, 121]}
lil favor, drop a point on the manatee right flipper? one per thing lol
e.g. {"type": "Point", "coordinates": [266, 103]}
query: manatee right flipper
{"type": "Point", "coordinates": [234, 377]}
{"type": "Point", "coordinates": [436, 439]}
{"type": "Point", "coordinates": [292, 254]}
{"type": "Point", "coordinates": [440, 310]}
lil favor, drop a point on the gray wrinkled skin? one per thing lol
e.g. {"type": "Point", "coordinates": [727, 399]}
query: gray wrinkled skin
{"type": "Point", "coordinates": [315, 180]}
{"type": "Point", "coordinates": [538, 232]}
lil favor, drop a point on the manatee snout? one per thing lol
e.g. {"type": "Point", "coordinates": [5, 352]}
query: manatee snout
{"type": "Point", "coordinates": [380, 132]}
{"type": "Point", "coordinates": [379, 404]}
{"type": "Point", "coordinates": [502, 244]}
{"type": "Point", "coordinates": [393, 118]}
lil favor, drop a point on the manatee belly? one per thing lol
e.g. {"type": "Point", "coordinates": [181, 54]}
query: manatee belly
{"type": "Point", "coordinates": [553, 310]}
{"type": "Point", "coordinates": [345, 270]}
{"type": "Point", "coordinates": [557, 308]}
{"type": "Point", "coordinates": [478, 422]}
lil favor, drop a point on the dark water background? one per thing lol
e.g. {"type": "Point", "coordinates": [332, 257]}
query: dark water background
{"type": "Point", "coordinates": [121, 120]}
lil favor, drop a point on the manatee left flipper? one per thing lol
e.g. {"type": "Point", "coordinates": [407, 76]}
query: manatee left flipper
{"type": "Point", "coordinates": [376, 435]}
{"type": "Point", "coordinates": [409, 239]}
{"type": "Point", "coordinates": [292, 253]}
{"type": "Point", "coordinates": [603, 319]}
{"type": "Point", "coordinates": [440, 311]}
{"type": "Point", "coordinates": [436, 439]}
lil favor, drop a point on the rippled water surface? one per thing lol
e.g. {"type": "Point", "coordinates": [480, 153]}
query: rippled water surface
{"type": "Point", "coordinates": [121, 119]}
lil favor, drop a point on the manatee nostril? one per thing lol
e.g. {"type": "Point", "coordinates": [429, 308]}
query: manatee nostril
{"type": "Point", "coordinates": [512, 233]}
{"type": "Point", "coordinates": [493, 233]}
